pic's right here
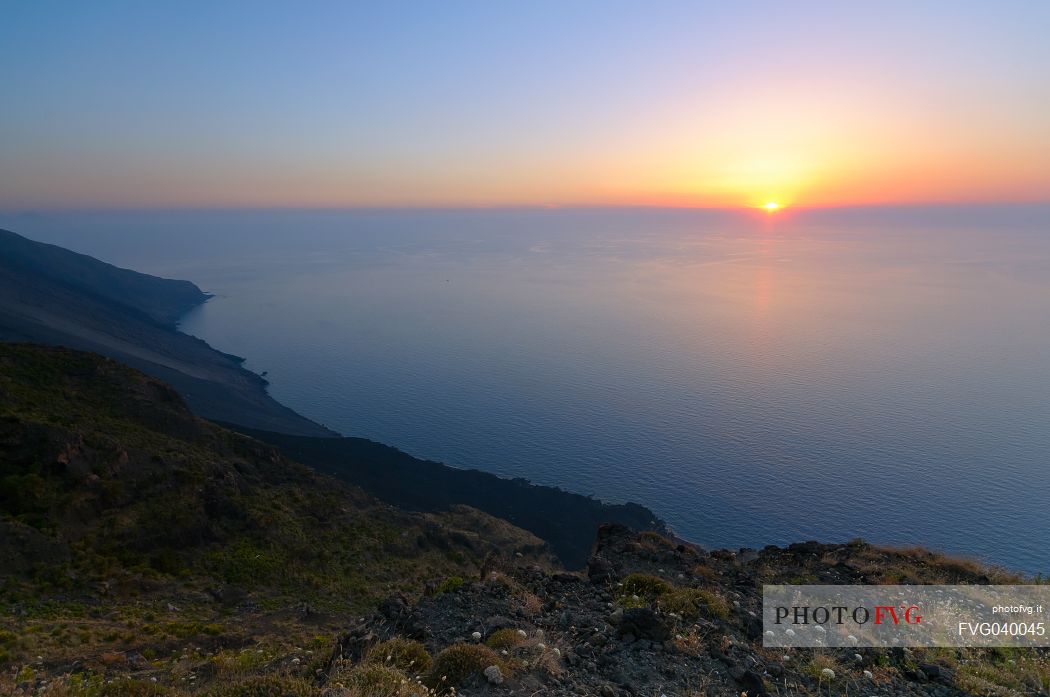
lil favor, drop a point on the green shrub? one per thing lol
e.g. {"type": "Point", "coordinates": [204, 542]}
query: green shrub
{"type": "Point", "coordinates": [449, 585]}
{"type": "Point", "coordinates": [229, 665]}
{"type": "Point", "coordinates": [705, 572]}
{"type": "Point", "coordinates": [688, 602]}
{"type": "Point", "coordinates": [504, 639]}
{"type": "Point", "coordinates": [648, 538]}
{"type": "Point", "coordinates": [818, 664]}
{"type": "Point", "coordinates": [374, 680]}
{"type": "Point", "coordinates": [243, 563]}
{"type": "Point", "coordinates": [645, 586]}
{"type": "Point", "coordinates": [266, 686]}
{"type": "Point", "coordinates": [134, 688]}
{"type": "Point", "coordinates": [403, 654]}
{"type": "Point", "coordinates": [459, 662]}
{"type": "Point", "coordinates": [85, 685]}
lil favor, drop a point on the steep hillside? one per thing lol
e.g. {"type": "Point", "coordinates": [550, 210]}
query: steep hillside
{"type": "Point", "coordinates": [565, 520]}
{"type": "Point", "coordinates": [161, 299]}
{"type": "Point", "coordinates": [127, 523]}
{"type": "Point", "coordinates": [50, 295]}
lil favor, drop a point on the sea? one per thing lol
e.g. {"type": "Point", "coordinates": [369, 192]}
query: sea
{"type": "Point", "coordinates": [754, 378]}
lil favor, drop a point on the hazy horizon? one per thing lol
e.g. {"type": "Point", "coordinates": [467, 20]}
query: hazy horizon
{"type": "Point", "coordinates": [470, 104]}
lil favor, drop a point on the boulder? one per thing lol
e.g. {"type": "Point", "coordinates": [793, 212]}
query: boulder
{"type": "Point", "coordinates": [494, 675]}
{"type": "Point", "coordinates": [600, 570]}
{"type": "Point", "coordinates": [643, 623]}
{"type": "Point", "coordinates": [752, 683]}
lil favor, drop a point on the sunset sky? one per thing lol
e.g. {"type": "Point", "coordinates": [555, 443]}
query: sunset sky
{"type": "Point", "coordinates": [198, 104]}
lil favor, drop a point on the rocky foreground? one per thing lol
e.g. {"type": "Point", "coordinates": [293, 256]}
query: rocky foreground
{"type": "Point", "coordinates": [649, 617]}
{"type": "Point", "coordinates": [654, 618]}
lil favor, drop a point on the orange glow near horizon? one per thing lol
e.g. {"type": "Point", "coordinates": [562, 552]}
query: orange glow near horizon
{"type": "Point", "coordinates": [755, 146]}
{"type": "Point", "coordinates": [750, 151]}
{"type": "Point", "coordinates": [714, 105]}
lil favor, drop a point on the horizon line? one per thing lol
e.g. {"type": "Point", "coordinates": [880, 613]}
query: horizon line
{"type": "Point", "coordinates": [42, 210]}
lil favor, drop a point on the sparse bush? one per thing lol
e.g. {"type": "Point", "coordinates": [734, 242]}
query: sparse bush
{"type": "Point", "coordinates": [459, 662]}
{"type": "Point", "coordinates": [531, 604]}
{"type": "Point", "coordinates": [243, 563]}
{"type": "Point", "coordinates": [705, 572]}
{"type": "Point", "coordinates": [403, 654]}
{"type": "Point", "coordinates": [83, 685]}
{"type": "Point", "coordinates": [819, 663]}
{"type": "Point", "coordinates": [266, 686]}
{"type": "Point", "coordinates": [229, 665]}
{"type": "Point", "coordinates": [648, 537]}
{"type": "Point", "coordinates": [688, 602]}
{"type": "Point", "coordinates": [375, 680]}
{"type": "Point", "coordinates": [504, 639]}
{"type": "Point", "coordinates": [450, 585]}
{"type": "Point", "coordinates": [134, 688]}
{"type": "Point", "coordinates": [645, 586]}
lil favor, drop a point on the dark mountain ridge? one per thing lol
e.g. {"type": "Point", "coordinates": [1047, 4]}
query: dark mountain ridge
{"type": "Point", "coordinates": [160, 299]}
{"type": "Point", "coordinates": [567, 521]}
{"type": "Point", "coordinates": [53, 296]}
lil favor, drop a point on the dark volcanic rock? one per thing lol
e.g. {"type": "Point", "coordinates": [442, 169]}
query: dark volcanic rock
{"type": "Point", "coordinates": [752, 683]}
{"type": "Point", "coordinates": [643, 623]}
{"type": "Point", "coordinates": [609, 546]}
{"type": "Point", "coordinates": [585, 639]}
{"type": "Point", "coordinates": [403, 617]}
{"type": "Point", "coordinates": [600, 570]}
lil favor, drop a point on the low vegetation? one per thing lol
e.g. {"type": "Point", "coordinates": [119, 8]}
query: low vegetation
{"type": "Point", "coordinates": [458, 662]}
{"type": "Point", "coordinates": [405, 655]}
{"type": "Point", "coordinates": [643, 590]}
{"type": "Point", "coordinates": [139, 538]}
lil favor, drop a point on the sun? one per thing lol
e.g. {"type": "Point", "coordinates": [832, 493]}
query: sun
{"type": "Point", "coordinates": [771, 206]}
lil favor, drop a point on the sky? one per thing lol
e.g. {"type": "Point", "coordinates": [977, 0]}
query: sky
{"type": "Point", "coordinates": [722, 104]}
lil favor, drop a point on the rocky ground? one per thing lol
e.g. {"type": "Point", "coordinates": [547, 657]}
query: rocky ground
{"type": "Point", "coordinates": [649, 617]}
{"type": "Point", "coordinates": [654, 618]}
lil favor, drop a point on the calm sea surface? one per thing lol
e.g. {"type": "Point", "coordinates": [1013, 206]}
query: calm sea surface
{"type": "Point", "coordinates": [753, 379]}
